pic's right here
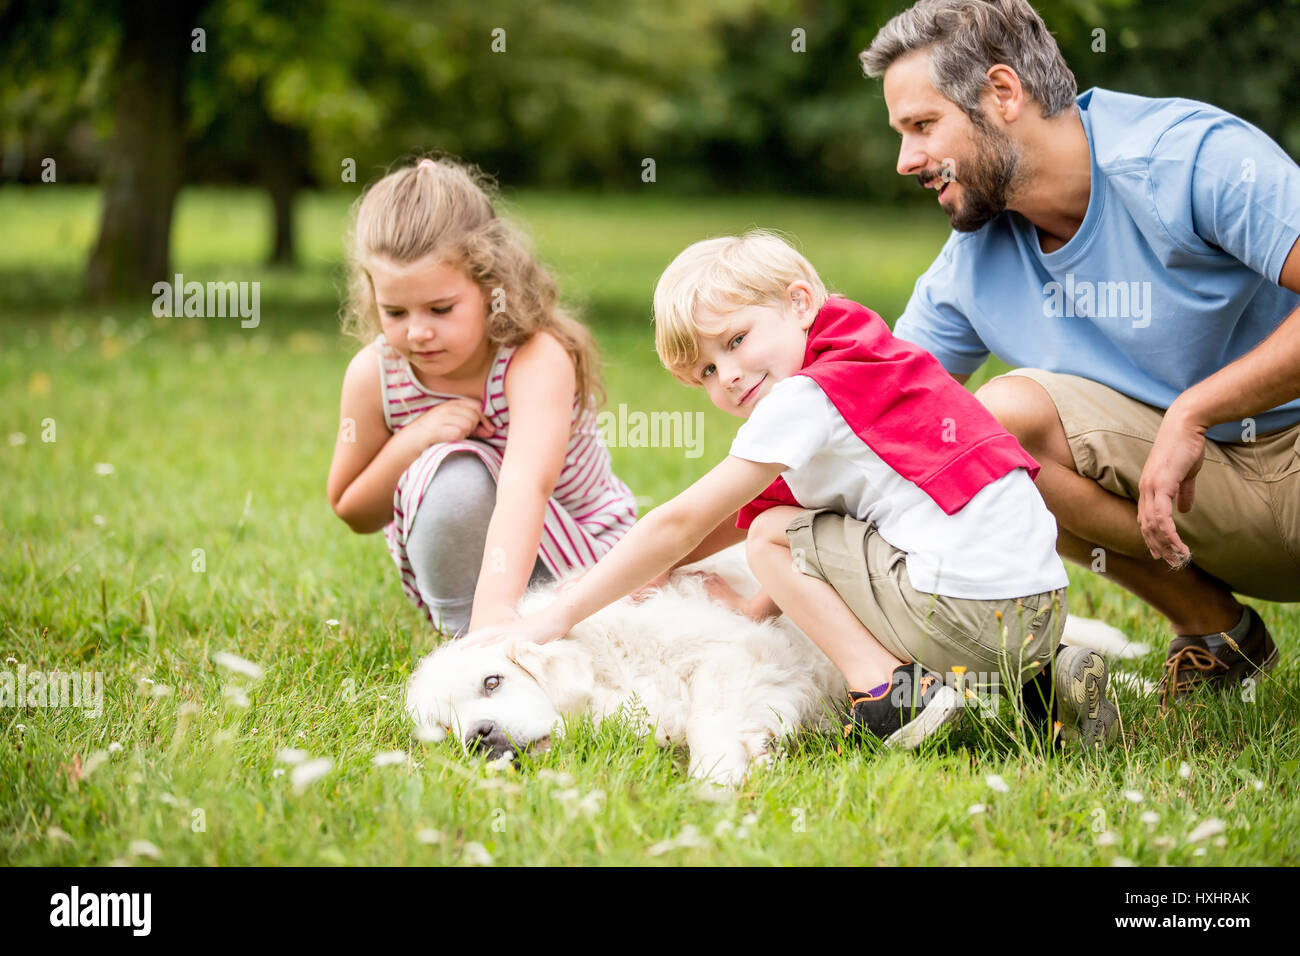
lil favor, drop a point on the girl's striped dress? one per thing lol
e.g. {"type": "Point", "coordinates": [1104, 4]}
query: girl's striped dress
{"type": "Point", "coordinates": [589, 510]}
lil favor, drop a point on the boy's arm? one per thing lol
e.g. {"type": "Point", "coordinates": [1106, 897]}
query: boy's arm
{"type": "Point", "coordinates": [723, 535]}
{"type": "Point", "coordinates": [673, 530]}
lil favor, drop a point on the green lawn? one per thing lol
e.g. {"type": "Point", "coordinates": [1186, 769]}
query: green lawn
{"type": "Point", "coordinates": [210, 532]}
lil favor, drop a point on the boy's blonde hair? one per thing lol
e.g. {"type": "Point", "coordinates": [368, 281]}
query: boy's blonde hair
{"type": "Point", "coordinates": [720, 276]}
{"type": "Point", "coordinates": [444, 208]}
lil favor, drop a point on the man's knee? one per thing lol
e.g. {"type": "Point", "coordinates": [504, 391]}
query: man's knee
{"type": "Point", "coordinates": [1024, 408]}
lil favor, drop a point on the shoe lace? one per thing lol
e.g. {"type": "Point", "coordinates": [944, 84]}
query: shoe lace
{"type": "Point", "coordinates": [1196, 663]}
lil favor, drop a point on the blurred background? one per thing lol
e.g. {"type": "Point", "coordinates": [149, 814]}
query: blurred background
{"type": "Point", "coordinates": [147, 100]}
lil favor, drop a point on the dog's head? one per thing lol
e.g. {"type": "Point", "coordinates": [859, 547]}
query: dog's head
{"type": "Point", "coordinates": [498, 698]}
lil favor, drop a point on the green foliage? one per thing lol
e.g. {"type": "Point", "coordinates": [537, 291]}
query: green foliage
{"type": "Point", "coordinates": [578, 94]}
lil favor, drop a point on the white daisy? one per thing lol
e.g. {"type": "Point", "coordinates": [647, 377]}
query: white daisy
{"type": "Point", "coordinates": [476, 854]}
{"type": "Point", "coordinates": [233, 662]}
{"type": "Point", "coordinates": [144, 848]}
{"type": "Point", "coordinates": [1209, 828]}
{"type": "Point", "coordinates": [307, 773]}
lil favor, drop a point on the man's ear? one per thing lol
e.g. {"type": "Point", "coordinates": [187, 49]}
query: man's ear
{"type": "Point", "coordinates": [560, 668]}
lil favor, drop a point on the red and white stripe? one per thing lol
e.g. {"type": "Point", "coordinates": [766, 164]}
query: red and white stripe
{"type": "Point", "coordinates": [588, 512]}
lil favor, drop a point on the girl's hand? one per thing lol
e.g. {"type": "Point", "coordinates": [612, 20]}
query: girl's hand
{"type": "Point", "coordinates": [540, 628]}
{"type": "Point", "coordinates": [493, 617]}
{"type": "Point", "coordinates": [453, 420]}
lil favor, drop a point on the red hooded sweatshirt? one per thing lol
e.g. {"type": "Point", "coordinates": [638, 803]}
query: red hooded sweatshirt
{"type": "Point", "coordinates": [905, 407]}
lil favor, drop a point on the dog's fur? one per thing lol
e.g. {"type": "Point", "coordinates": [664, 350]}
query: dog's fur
{"type": "Point", "coordinates": [678, 663]}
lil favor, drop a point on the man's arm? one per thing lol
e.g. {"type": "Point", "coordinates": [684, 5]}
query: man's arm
{"type": "Point", "coordinates": [1263, 378]}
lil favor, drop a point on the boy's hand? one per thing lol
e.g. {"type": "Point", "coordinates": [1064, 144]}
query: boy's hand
{"type": "Point", "coordinates": [643, 592]}
{"type": "Point", "coordinates": [453, 420]}
{"type": "Point", "coordinates": [719, 590]}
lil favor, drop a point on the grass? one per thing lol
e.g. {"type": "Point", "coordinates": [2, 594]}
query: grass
{"type": "Point", "coordinates": [211, 533]}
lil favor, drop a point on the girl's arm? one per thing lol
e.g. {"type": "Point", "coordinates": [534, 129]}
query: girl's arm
{"type": "Point", "coordinates": [539, 386]}
{"type": "Point", "coordinates": [369, 459]}
{"type": "Point", "coordinates": [667, 533]}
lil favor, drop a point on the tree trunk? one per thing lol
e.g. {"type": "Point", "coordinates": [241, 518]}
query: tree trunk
{"type": "Point", "coordinates": [143, 171]}
{"type": "Point", "coordinates": [285, 151]}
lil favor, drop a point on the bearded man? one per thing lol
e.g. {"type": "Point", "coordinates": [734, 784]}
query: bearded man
{"type": "Point", "coordinates": [1136, 261]}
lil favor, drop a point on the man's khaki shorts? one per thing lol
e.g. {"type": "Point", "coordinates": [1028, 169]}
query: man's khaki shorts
{"type": "Point", "coordinates": [1244, 526]}
{"type": "Point", "coordinates": [999, 643]}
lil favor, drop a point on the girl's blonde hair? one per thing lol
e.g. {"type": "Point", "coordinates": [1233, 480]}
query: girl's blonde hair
{"type": "Point", "coordinates": [720, 276]}
{"type": "Point", "coordinates": [446, 209]}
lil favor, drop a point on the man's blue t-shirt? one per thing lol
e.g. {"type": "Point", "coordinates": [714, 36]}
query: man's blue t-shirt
{"type": "Point", "coordinates": [1171, 276]}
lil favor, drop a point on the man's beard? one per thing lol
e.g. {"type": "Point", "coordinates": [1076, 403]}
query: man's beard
{"type": "Point", "coordinates": [986, 180]}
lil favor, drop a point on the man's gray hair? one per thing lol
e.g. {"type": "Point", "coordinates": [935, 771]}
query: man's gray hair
{"type": "Point", "coordinates": [965, 38]}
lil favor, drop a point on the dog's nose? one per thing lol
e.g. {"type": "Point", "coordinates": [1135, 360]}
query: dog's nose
{"type": "Point", "coordinates": [480, 735]}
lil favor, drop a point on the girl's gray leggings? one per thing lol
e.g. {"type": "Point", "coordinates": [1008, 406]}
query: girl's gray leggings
{"type": "Point", "coordinates": [446, 542]}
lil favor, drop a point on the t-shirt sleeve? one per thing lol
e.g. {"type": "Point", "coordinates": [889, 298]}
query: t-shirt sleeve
{"type": "Point", "coordinates": [934, 320]}
{"type": "Point", "coordinates": [788, 426]}
{"type": "Point", "coordinates": [1245, 191]}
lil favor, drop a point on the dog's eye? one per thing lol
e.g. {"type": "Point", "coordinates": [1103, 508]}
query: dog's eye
{"type": "Point", "coordinates": [491, 683]}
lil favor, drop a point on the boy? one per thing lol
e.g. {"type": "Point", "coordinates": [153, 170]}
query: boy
{"type": "Point", "coordinates": [888, 514]}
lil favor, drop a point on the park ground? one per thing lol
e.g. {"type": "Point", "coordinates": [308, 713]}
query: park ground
{"type": "Point", "coordinates": [164, 502]}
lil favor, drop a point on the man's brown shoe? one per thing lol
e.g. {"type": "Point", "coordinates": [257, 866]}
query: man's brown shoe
{"type": "Point", "coordinates": [1190, 662]}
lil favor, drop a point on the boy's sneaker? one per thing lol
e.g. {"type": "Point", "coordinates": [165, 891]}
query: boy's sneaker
{"type": "Point", "coordinates": [1086, 716]}
{"type": "Point", "coordinates": [916, 707]}
{"type": "Point", "coordinates": [1191, 663]}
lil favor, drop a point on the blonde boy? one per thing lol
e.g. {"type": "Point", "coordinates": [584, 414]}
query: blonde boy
{"type": "Point", "coordinates": [887, 513]}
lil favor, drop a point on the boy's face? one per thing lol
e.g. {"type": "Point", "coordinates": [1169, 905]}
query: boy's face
{"type": "Point", "coordinates": [743, 353]}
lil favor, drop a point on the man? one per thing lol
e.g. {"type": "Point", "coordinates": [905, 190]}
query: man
{"type": "Point", "coordinates": [1138, 258]}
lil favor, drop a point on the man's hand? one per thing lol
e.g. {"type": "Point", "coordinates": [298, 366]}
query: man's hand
{"type": "Point", "coordinates": [1169, 476]}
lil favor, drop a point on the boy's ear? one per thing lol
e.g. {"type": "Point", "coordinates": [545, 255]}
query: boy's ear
{"type": "Point", "coordinates": [801, 301]}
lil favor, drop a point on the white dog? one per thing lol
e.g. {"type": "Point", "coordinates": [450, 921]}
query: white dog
{"type": "Point", "coordinates": [687, 668]}
{"type": "Point", "coordinates": [683, 666]}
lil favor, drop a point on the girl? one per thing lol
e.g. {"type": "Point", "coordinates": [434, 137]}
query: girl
{"type": "Point", "coordinates": [468, 429]}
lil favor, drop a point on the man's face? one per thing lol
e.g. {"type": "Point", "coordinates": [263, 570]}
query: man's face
{"type": "Point", "coordinates": [972, 166]}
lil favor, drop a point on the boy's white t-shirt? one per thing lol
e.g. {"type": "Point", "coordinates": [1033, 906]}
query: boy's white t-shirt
{"type": "Point", "coordinates": [1002, 544]}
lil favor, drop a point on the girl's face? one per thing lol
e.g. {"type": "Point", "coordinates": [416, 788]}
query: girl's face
{"type": "Point", "coordinates": [434, 315]}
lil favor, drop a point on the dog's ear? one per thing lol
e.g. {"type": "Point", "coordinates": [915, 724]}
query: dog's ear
{"type": "Point", "coordinates": [560, 668]}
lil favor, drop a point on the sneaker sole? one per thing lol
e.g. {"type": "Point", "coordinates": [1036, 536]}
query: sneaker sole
{"type": "Point", "coordinates": [1082, 694]}
{"type": "Point", "coordinates": [943, 709]}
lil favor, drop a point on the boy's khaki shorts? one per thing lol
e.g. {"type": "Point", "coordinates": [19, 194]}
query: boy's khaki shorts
{"type": "Point", "coordinates": [1244, 526]}
{"type": "Point", "coordinates": [938, 632]}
